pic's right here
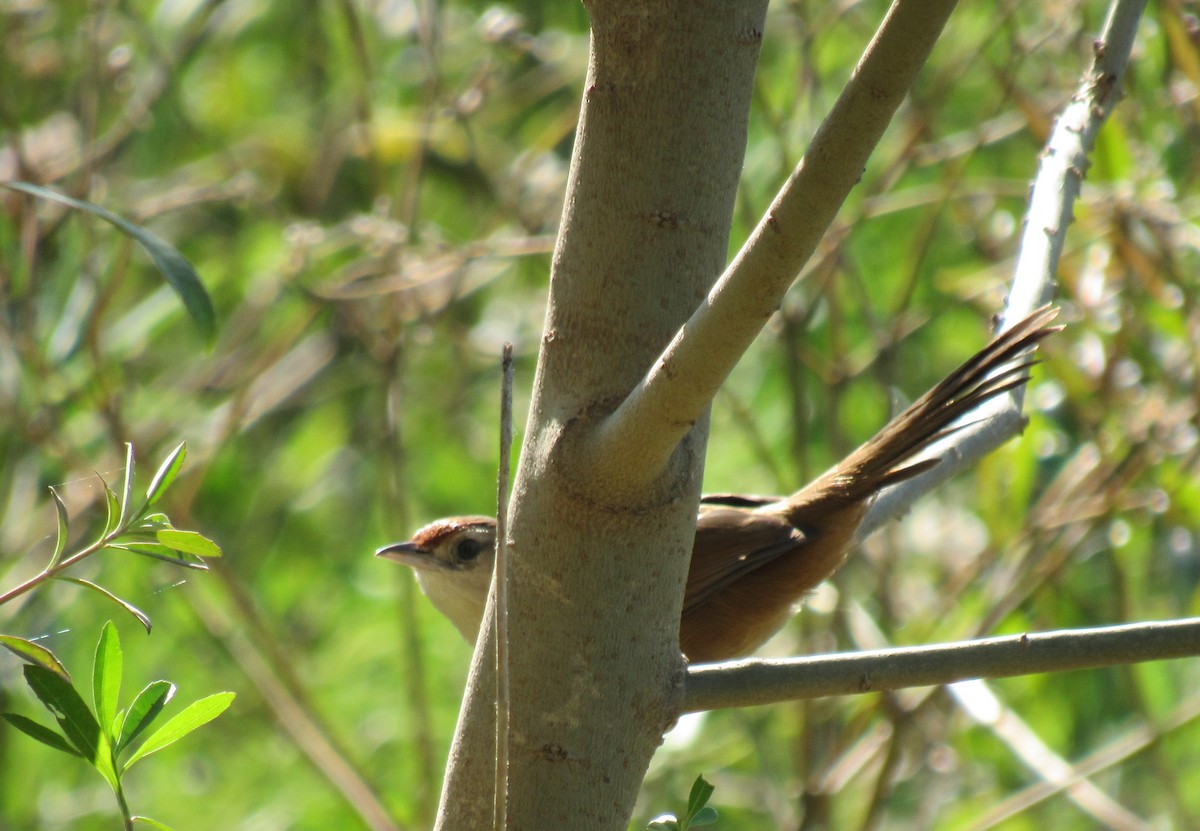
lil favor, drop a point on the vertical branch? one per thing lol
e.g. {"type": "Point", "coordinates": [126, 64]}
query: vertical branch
{"type": "Point", "coordinates": [500, 588]}
{"type": "Point", "coordinates": [595, 574]}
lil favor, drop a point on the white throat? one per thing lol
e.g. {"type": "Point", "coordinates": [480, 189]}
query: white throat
{"type": "Point", "coordinates": [459, 595]}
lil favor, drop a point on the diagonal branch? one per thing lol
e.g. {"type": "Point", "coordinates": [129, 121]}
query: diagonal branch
{"type": "Point", "coordinates": [679, 387]}
{"type": "Point", "coordinates": [1051, 203]}
{"type": "Point", "coordinates": [985, 708]}
{"type": "Point", "coordinates": [1052, 197]}
{"type": "Point", "coordinates": [1107, 756]}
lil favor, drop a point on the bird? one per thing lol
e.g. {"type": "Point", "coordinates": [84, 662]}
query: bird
{"type": "Point", "coordinates": [754, 558]}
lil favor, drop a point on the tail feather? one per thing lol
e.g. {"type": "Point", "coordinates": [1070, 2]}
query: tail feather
{"type": "Point", "coordinates": [982, 377]}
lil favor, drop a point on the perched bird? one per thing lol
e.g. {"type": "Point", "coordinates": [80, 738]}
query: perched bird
{"type": "Point", "coordinates": [753, 557]}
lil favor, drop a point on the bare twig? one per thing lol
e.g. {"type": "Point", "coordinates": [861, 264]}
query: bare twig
{"type": "Point", "coordinates": [1051, 202]}
{"type": "Point", "coordinates": [752, 682]}
{"type": "Point", "coordinates": [500, 588]}
{"type": "Point", "coordinates": [1065, 160]}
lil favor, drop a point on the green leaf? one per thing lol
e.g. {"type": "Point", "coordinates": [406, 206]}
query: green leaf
{"type": "Point", "coordinates": [166, 474]}
{"type": "Point", "coordinates": [188, 542]}
{"type": "Point", "coordinates": [158, 552]}
{"type": "Point", "coordinates": [40, 732]}
{"type": "Point", "coordinates": [701, 792]}
{"type": "Point", "coordinates": [145, 708]}
{"type": "Point", "coordinates": [178, 272]}
{"type": "Point", "coordinates": [36, 654]}
{"type": "Point", "coordinates": [113, 519]}
{"type": "Point", "coordinates": [194, 715]}
{"type": "Point", "coordinates": [152, 523]}
{"type": "Point", "coordinates": [698, 811]}
{"type": "Point", "coordinates": [64, 703]}
{"type": "Point", "coordinates": [127, 490]}
{"type": "Point", "coordinates": [141, 616]}
{"type": "Point", "coordinates": [146, 528]}
{"type": "Point", "coordinates": [105, 764]}
{"type": "Point", "coordinates": [153, 823]}
{"type": "Point", "coordinates": [106, 675]}
{"type": "Point", "coordinates": [60, 543]}
{"type": "Point", "coordinates": [74, 718]}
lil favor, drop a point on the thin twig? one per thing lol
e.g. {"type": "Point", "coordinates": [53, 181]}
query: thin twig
{"type": "Point", "coordinates": [1065, 160]}
{"type": "Point", "coordinates": [500, 587]}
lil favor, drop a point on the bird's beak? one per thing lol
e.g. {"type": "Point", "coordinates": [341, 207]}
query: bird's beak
{"type": "Point", "coordinates": [408, 553]}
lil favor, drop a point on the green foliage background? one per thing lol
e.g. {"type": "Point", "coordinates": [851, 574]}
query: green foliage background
{"type": "Point", "coordinates": [370, 192]}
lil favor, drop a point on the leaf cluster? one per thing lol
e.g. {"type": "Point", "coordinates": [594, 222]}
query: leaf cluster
{"type": "Point", "coordinates": [128, 526]}
{"type": "Point", "coordinates": [104, 734]}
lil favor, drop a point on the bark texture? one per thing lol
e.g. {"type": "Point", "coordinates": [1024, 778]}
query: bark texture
{"type": "Point", "coordinates": [597, 568]}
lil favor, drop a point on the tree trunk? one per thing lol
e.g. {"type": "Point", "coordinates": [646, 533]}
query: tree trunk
{"type": "Point", "coordinates": [598, 563]}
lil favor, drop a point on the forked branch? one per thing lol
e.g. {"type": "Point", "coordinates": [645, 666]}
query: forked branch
{"type": "Point", "coordinates": [681, 384]}
{"type": "Point", "coordinates": [1052, 197]}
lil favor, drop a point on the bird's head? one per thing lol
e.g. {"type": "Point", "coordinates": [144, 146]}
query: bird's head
{"type": "Point", "coordinates": [453, 560]}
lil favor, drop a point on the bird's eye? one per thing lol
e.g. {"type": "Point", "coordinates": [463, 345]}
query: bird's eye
{"type": "Point", "coordinates": [467, 550]}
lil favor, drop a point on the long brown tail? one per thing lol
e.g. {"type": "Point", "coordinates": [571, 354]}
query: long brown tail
{"type": "Point", "coordinates": [997, 368]}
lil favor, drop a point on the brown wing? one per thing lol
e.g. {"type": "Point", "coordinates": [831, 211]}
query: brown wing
{"type": "Point", "coordinates": [743, 541]}
{"type": "Point", "coordinates": [739, 500]}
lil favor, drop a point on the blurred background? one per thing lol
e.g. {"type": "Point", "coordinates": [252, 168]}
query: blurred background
{"type": "Point", "coordinates": [370, 189]}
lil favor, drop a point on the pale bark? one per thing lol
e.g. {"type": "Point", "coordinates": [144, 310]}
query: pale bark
{"type": "Point", "coordinates": [595, 671]}
{"type": "Point", "coordinates": [682, 383]}
{"type": "Point", "coordinates": [1052, 201]}
{"type": "Point", "coordinates": [752, 682]}
{"type": "Point", "coordinates": [603, 507]}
